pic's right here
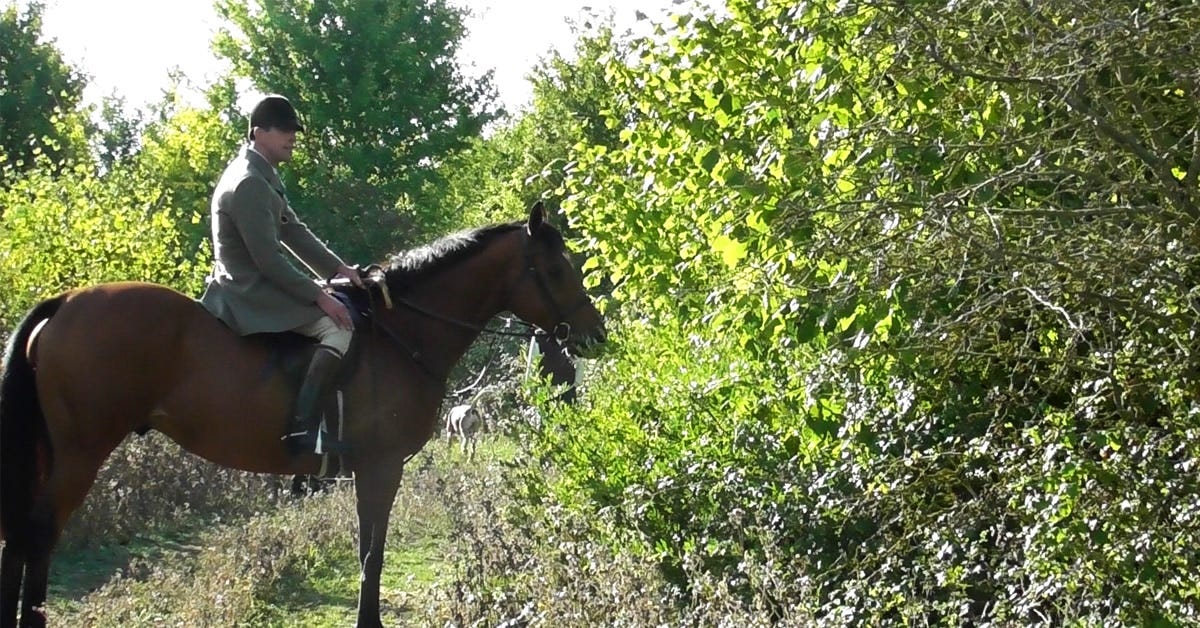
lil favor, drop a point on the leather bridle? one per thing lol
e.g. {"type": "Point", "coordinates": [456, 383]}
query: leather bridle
{"type": "Point", "coordinates": [561, 330]}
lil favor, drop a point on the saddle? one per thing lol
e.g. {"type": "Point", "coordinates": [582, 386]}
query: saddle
{"type": "Point", "coordinates": [290, 354]}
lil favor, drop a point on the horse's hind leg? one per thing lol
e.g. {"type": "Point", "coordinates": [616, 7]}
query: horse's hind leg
{"type": "Point", "coordinates": [72, 476]}
{"type": "Point", "coordinates": [12, 567]}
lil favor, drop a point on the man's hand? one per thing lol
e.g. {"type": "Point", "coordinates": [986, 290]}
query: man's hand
{"type": "Point", "coordinates": [351, 274]}
{"type": "Point", "coordinates": [336, 310]}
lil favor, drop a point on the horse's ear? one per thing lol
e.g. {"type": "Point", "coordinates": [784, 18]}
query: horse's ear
{"type": "Point", "coordinates": [537, 215]}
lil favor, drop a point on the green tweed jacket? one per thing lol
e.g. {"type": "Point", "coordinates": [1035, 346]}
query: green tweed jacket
{"type": "Point", "coordinates": [254, 287]}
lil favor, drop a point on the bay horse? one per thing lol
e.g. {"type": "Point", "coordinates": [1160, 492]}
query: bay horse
{"type": "Point", "coordinates": [88, 367]}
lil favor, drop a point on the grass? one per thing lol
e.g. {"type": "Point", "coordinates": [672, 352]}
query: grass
{"type": "Point", "coordinates": [324, 592]}
{"type": "Point", "coordinates": [78, 571]}
{"type": "Point", "coordinates": [460, 552]}
{"type": "Point", "coordinates": [293, 565]}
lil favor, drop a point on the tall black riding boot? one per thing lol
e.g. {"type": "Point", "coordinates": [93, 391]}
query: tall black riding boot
{"type": "Point", "coordinates": [304, 432]}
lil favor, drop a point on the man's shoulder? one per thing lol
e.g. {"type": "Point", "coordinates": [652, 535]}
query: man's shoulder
{"type": "Point", "coordinates": [238, 173]}
{"type": "Point", "coordinates": [241, 187]}
{"type": "Point", "coordinates": [241, 167]}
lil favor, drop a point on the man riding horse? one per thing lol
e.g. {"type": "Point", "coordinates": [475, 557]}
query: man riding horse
{"type": "Point", "coordinates": [254, 287]}
{"type": "Point", "coordinates": [91, 365]}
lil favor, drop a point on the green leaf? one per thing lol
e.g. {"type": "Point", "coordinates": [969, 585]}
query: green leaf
{"type": "Point", "coordinates": [708, 159]}
{"type": "Point", "coordinates": [730, 250]}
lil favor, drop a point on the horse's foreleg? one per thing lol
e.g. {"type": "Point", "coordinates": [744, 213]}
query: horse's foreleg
{"type": "Point", "coordinates": [375, 494]}
{"type": "Point", "coordinates": [12, 567]}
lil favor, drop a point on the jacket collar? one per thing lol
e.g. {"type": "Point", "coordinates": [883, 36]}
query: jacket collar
{"type": "Point", "coordinates": [259, 164]}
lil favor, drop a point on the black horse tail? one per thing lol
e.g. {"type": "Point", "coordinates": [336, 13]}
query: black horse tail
{"type": "Point", "coordinates": [23, 430]}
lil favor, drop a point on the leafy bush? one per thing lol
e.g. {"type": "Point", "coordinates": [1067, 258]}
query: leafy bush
{"type": "Point", "coordinates": [677, 437]}
{"type": "Point", "coordinates": [954, 259]}
{"type": "Point", "coordinates": [518, 562]}
{"type": "Point", "coordinates": [232, 575]}
{"type": "Point", "coordinates": [149, 483]}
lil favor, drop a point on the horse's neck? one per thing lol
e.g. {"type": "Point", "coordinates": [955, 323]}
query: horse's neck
{"type": "Point", "coordinates": [458, 303]}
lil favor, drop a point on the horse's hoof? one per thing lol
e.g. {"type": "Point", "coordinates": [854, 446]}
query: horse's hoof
{"type": "Point", "coordinates": [35, 618]}
{"type": "Point", "coordinates": [374, 622]}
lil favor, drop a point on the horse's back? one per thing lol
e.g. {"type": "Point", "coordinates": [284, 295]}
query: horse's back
{"type": "Point", "coordinates": [111, 349]}
{"type": "Point", "coordinates": [120, 357]}
{"type": "Point", "coordinates": [126, 294]}
{"type": "Point", "coordinates": [126, 322]}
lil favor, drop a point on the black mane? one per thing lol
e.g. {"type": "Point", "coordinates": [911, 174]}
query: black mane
{"type": "Point", "coordinates": [410, 267]}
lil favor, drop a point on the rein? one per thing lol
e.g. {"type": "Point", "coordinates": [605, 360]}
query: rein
{"type": "Point", "coordinates": [374, 276]}
{"type": "Point", "coordinates": [461, 323]}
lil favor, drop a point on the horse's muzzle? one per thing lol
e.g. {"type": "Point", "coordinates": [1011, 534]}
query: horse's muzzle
{"type": "Point", "coordinates": [587, 345]}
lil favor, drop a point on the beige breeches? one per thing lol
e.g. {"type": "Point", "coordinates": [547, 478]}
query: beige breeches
{"type": "Point", "coordinates": [327, 333]}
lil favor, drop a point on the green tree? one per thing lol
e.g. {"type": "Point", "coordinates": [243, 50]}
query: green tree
{"type": "Point", "coordinates": [36, 86]}
{"type": "Point", "coordinates": [184, 148]}
{"type": "Point", "coordinates": [118, 132]}
{"type": "Point", "coordinates": [572, 102]}
{"type": "Point", "coordinates": [528, 158]}
{"type": "Point", "coordinates": [65, 226]}
{"type": "Point", "coordinates": [383, 100]}
{"type": "Point", "coordinates": [137, 211]}
{"type": "Point", "coordinates": [484, 182]}
{"type": "Point", "coordinates": [946, 255]}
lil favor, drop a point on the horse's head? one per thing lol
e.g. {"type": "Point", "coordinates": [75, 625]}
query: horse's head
{"type": "Point", "coordinates": [549, 292]}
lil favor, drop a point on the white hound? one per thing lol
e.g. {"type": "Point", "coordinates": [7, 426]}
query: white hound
{"type": "Point", "coordinates": [464, 421]}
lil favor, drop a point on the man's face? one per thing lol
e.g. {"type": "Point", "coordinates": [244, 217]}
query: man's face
{"type": "Point", "coordinates": [275, 144]}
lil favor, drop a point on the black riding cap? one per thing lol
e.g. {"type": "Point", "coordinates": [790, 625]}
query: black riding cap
{"type": "Point", "coordinates": [274, 112]}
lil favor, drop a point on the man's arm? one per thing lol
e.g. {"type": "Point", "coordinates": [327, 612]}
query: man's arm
{"type": "Point", "coordinates": [305, 245]}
